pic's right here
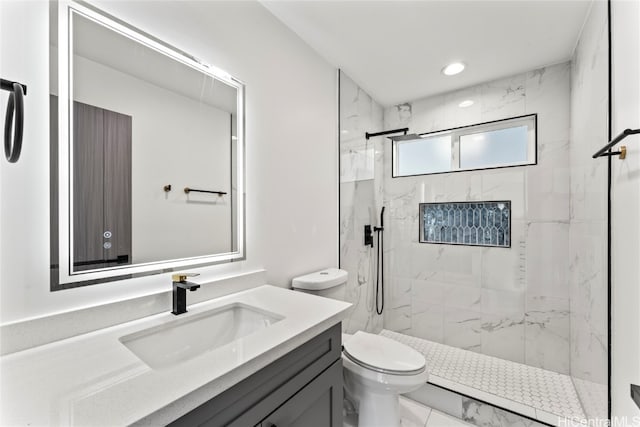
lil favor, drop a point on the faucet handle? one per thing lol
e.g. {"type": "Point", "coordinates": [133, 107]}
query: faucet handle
{"type": "Point", "coordinates": [182, 277]}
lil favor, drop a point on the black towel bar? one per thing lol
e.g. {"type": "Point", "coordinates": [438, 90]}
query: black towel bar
{"type": "Point", "coordinates": [603, 151]}
{"type": "Point", "coordinates": [15, 106]}
{"type": "Point", "coordinates": [188, 190]}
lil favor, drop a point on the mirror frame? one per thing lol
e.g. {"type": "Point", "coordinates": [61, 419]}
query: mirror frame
{"type": "Point", "coordinates": [66, 277]}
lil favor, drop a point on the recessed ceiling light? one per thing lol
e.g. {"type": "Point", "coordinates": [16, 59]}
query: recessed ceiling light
{"type": "Point", "coordinates": [343, 131]}
{"type": "Point", "coordinates": [453, 69]}
{"type": "Point", "coordinates": [466, 103]}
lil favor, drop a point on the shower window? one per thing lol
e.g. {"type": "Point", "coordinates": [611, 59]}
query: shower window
{"type": "Point", "coordinates": [502, 143]}
{"type": "Point", "coordinates": [431, 154]}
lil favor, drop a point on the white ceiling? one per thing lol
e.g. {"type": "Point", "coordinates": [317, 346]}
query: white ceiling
{"type": "Point", "coordinates": [395, 50]}
{"type": "Point", "coordinates": [105, 46]}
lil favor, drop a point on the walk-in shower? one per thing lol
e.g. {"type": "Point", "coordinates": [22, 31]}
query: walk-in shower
{"type": "Point", "coordinates": [496, 273]}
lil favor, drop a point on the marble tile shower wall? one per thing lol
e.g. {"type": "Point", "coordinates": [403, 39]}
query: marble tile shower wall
{"type": "Point", "coordinates": [512, 302]}
{"type": "Point", "coordinates": [360, 200]}
{"type": "Point", "coordinates": [588, 218]}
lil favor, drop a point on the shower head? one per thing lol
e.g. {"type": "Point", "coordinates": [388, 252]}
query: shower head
{"type": "Point", "coordinates": [404, 137]}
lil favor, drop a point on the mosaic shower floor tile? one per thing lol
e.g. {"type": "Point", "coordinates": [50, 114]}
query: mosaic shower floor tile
{"type": "Point", "coordinates": [511, 385]}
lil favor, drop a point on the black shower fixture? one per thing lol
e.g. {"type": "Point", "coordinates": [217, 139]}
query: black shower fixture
{"type": "Point", "coordinates": [380, 265]}
{"type": "Point", "coordinates": [368, 235]}
{"type": "Point", "coordinates": [385, 132]}
{"type": "Point", "coordinates": [404, 137]}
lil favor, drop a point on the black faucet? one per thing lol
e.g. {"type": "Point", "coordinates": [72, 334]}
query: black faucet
{"type": "Point", "coordinates": [180, 286]}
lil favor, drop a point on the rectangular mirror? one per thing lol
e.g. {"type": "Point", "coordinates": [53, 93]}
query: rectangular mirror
{"type": "Point", "coordinates": [150, 154]}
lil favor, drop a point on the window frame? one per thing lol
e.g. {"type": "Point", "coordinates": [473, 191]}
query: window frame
{"type": "Point", "coordinates": [529, 120]}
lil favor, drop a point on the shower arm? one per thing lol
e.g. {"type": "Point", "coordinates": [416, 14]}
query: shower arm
{"type": "Point", "coordinates": [385, 132]}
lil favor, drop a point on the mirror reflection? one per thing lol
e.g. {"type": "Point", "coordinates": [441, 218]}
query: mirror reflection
{"type": "Point", "coordinates": [152, 154]}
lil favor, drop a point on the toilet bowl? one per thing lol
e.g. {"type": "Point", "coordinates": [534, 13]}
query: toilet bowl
{"type": "Point", "coordinates": [376, 369]}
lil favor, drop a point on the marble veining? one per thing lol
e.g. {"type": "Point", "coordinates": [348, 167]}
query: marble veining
{"type": "Point", "coordinates": [593, 397]}
{"type": "Point", "coordinates": [481, 414]}
{"type": "Point", "coordinates": [587, 234]}
{"type": "Point", "coordinates": [359, 201]}
{"type": "Point", "coordinates": [538, 301]}
{"type": "Point", "coordinates": [482, 298]}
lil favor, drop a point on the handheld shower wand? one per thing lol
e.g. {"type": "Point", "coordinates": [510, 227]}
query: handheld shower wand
{"type": "Point", "coordinates": [380, 265]}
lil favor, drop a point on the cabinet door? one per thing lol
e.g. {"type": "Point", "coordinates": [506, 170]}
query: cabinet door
{"type": "Point", "coordinates": [318, 404]}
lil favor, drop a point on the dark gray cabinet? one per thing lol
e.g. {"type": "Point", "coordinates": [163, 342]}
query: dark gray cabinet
{"type": "Point", "coordinates": [301, 389]}
{"type": "Point", "coordinates": [318, 404]}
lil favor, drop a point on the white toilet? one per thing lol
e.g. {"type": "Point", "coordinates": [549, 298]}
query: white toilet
{"type": "Point", "coordinates": [376, 369]}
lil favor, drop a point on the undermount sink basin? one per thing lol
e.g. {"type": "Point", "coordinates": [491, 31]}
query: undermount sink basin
{"type": "Point", "coordinates": [183, 339]}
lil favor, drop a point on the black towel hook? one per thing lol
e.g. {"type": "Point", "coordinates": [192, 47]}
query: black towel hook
{"type": "Point", "coordinates": [15, 106]}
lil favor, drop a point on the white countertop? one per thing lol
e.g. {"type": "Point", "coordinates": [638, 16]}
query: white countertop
{"type": "Point", "coordinates": [93, 379]}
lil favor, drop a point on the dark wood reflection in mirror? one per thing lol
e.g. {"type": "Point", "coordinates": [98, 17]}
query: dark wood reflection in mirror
{"type": "Point", "coordinates": [102, 187]}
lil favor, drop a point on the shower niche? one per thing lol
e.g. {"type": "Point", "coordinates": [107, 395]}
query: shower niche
{"type": "Point", "coordinates": [466, 223]}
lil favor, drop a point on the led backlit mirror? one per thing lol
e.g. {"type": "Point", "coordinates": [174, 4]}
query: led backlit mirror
{"type": "Point", "coordinates": [149, 167]}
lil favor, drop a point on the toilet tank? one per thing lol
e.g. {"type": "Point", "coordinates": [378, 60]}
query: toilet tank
{"type": "Point", "coordinates": [329, 283]}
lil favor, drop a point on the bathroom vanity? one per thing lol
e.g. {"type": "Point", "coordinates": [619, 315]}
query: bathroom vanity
{"type": "Point", "coordinates": [303, 388]}
{"type": "Point", "coordinates": [266, 356]}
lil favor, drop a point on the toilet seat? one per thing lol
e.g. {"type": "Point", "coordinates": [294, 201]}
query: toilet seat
{"type": "Point", "coordinates": [383, 355]}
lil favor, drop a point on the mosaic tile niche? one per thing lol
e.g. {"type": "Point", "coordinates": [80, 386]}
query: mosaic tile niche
{"type": "Point", "coordinates": [466, 223]}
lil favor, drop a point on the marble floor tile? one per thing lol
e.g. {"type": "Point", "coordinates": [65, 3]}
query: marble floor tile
{"type": "Point", "coordinates": [438, 419]}
{"type": "Point", "coordinates": [413, 414]}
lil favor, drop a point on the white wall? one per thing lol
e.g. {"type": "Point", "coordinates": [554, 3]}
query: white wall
{"type": "Point", "coordinates": [291, 132]}
{"type": "Point", "coordinates": [625, 210]}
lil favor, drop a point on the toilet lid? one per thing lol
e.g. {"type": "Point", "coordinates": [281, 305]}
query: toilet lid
{"type": "Point", "coordinates": [383, 354]}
